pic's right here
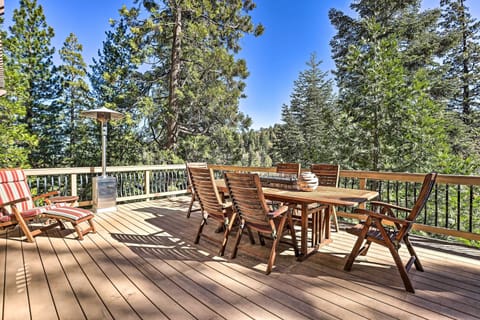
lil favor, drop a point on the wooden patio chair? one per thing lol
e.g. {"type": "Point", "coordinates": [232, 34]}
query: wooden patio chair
{"type": "Point", "coordinates": [246, 193]}
{"type": "Point", "coordinates": [289, 168]}
{"type": "Point", "coordinates": [211, 205]}
{"type": "Point", "coordinates": [328, 175]}
{"type": "Point", "coordinates": [374, 230]}
{"type": "Point", "coordinates": [17, 207]}
{"type": "Point", "coordinates": [286, 169]}
{"type": "Point", "coordinates": [189, 184]}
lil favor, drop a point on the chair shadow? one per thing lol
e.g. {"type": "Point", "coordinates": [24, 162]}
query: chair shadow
{"type": "Point", "coordinates": [178, 243]}
{"type": "Point", "coordinates": [446, 247]}
{"type": "Point", "coordinates": [16, 234]}
{"type": "Point", "coordinates": [161, 246]}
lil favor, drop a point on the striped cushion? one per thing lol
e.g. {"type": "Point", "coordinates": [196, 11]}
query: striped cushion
{"type": "Point", "coordinates": [13, 186]}
{"type": "Point", "coordinates": [26, 214]}
{"type": "Point", "coordinates": [69, 213]}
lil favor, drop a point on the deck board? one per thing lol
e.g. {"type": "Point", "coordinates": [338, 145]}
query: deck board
{"type": "Point", "coordinates": [16, 286]}
{"type": "Point", "coordinates": [142, 264]}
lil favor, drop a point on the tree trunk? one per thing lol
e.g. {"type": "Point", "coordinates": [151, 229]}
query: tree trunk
{"type": "Point", "coordinates": [172, 116]}
{"type": "Point", "coordinates": [465, 73]}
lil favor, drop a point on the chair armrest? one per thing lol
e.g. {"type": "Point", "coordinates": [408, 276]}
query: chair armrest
{"type": "Point", "coordinates": [62, 199]}
{"type": "Point", "coordinates": [382, 216]}
{"type": "Point", "coordinates": [6, 204]}
{"type": "Point", "coordinates": [45, 195]}
{"type": "Point", "coordinates": [389, 205]}
{"type": "Point", "coordinates": [281, 210]}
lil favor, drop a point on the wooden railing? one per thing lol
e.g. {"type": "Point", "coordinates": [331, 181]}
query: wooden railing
{"type": "Point", "coordinates": [452, 210]}
{"type": "Point", "coordinates": [134, 183]}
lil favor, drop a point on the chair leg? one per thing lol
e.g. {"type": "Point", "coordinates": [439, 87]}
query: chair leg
{"type": "Point", "coordinates": [291, 226]}
{"type": "Point", "coordinates": [401, 268]}
{"type": "Point", "coordinates": [396, 257]}
{"type": "Point", "coordinates": [261, 239]}
{"type": "Point", "coordinates": [364, 250]}
{"type": "Point", "coordinates": [200, 229]}
{"type": "Point", "coordinates": [228, 228]}
{"type": "Point", "coordinates": [335, 220]}
{"type": "Point", "coordinates": [79, 231]}
{"type": "Point", "coordinates": [191, 205]}
{"type": "Point", "coordinates": [356, 247]}
{"type": "Point", "coordinates": [24, 227]}
{"type": "Point", "coordinates": [250, 235]}
{"type": "Point", "coordinates": [92, 226]}
{"type": "Point", "coordinates": [276, 241]}
{"type": "Point", "coordinates": [237, 240]}
{"type": "Point", "coordinates": [273, 254]}
{"type": "Point", "coordinates": [413, 254]}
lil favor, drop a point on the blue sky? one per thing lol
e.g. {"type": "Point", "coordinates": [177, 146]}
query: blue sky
{"type": "Point", "coordinates": [293, 31]}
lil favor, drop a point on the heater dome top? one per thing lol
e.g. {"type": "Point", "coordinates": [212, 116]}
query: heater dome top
{"type": "Point", "coordinates": [102, 114]}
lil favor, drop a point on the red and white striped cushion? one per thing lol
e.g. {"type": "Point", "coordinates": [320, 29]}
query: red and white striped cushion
{"type": "Point", "coordinates": [13, 186]}
{"type": "Point", "coordinates": [69, 213]}
{"type": "Point", "coordinates": [27, 213]}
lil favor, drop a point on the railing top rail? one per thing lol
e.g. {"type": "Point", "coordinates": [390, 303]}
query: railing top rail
{"type": "Point", "coordinates": [80, 170]}
{"type": "Point", "coordinates": [410, 177]}
{"type": "Point", "coordinates": [374, 175]}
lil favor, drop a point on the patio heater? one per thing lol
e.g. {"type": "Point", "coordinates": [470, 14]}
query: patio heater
{"type": "Point", "coordinates": [104, 188]}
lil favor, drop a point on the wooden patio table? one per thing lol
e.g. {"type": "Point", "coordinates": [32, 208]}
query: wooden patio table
{"type": "Point", "coordinates": [329, 196]}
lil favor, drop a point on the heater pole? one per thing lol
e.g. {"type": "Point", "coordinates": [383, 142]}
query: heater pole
{"type": "Point", "coordinates": [104, 148]}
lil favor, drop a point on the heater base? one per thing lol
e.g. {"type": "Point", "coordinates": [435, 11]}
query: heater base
{"type": "Point", "coordinates": [104, 194]}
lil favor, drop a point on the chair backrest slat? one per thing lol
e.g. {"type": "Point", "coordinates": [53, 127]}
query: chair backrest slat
{"type": "Point", "coordinates": [206, 191]}
{"type": "Point", "coordinates": [189, 165]}
{"type": "Point", "coordinates": [247, 197]}
{"type": "Point", "coordinates": [13, 186]}
{"type": "Point", "coordinates": [327, 174]}
{"type": "Point", "coordinates": [289, 168]}
{"type": "Point", "coordinates": [427, 186]}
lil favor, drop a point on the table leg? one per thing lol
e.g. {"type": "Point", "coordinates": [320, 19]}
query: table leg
{"type": "Point", "coordinates": [328, 214]}
{"type": "Point", "coordinates": [304, 231]}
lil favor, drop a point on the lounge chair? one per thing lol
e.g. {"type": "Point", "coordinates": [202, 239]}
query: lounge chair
{"type": "Point", "coordinates": [17, 207]}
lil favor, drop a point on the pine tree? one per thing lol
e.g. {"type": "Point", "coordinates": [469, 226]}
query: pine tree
{"type": "Point", "coordinates": [29, 53]}
{"type": "Point", "coordinates": [415, 30]}
{"type": "Point", "coordinates": [393, 123]}
{"type": "Point", "coordinates": [462, 61]}
{"type": "Point", "coordinates": [309, 121]}
{"type": "Point", "coordinates": [15, 142]}
{"type": "Point", "coordinates": [115, 83]}
{"type": "Point", "coordinates": [194, 80]}
{"type": "Point", "coordinates": [289, 141]}
{"type": "Point", "coordinates": [73, 99]}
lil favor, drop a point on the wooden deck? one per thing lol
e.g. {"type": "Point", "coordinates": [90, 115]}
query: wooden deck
{"type": "Point", "coordinates": [142, 264]}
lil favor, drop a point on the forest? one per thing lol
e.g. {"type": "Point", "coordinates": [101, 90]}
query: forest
{"type": "Point", "coordinates": [404, 96]}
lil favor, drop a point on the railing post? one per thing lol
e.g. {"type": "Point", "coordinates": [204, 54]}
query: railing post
{"type": "Point", "coordinates": [147, 184]}
{"type": "Point", "coordinates": [73, 184]}
{"type": "Point", "coordinates": [362, 186]}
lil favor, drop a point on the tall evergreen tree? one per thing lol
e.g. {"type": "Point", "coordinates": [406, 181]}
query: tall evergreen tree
{"type": "Point", "coordinates": [15, 142]}
{"type": "Point", "coordinates": [307, 135]}
{"type": "Point", "coordinates": [415, 30]}
{"type": "Point", "coordinates": [116, 85]}
{"type": "Point", "coordinates": [289, 141]}
{"type": "Point", "coordinates": [393, 123]}
{"type": "Point", "coordinates": [75, 97]}
{"type": "Point", "coordinates": [462, 61]}
{"type": "Point", "coordinates": [312, 101]}
{"type": "Point", "coordinates": [463, 58]}
{"type": "Point", "coordinates": [194, 80]}
{"type": "Point", "coordinates": [29, 53]}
